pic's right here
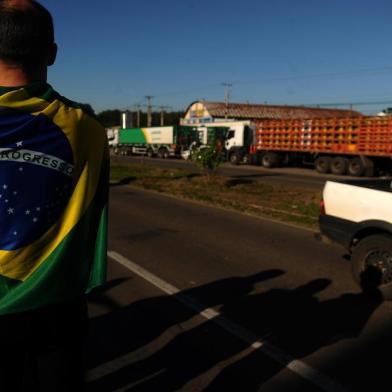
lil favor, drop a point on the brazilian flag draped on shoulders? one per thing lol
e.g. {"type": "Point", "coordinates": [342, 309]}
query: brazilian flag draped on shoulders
{"type": "Point", "coordinates": [54, 168]}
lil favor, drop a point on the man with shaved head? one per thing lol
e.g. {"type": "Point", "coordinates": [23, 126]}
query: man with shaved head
{"type": "Point", "coordinates": [27, 43]}
{"type": "Point", "coordinates": [53, 210]}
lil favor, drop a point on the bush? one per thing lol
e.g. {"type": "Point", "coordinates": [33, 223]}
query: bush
{"type": "Point", "coordinates": [207, 158]}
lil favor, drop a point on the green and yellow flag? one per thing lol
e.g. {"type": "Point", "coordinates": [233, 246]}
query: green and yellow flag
{"type": "Point", "coordinates": [54, 169]}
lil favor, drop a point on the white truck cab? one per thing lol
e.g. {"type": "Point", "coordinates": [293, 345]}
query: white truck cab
{"type": "Point", "coordinates": [112, 135]}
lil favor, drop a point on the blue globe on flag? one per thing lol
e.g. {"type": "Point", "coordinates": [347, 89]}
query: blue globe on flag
{"type": "Point", "coordinates": [36, 177]}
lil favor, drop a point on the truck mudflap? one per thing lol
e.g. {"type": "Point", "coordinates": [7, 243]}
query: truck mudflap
{"type": "Point", "coordinates": [337, 230]}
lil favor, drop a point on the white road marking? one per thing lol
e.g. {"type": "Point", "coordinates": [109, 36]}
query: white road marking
{"type": "Point", "coordinates": [298, 367]}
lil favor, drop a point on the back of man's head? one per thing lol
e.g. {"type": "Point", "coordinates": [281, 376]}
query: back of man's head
{"type": "Point", "coordinates": [26, 33]}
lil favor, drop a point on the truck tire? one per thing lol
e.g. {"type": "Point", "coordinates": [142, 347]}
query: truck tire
{"type": "Point", "coordinates": [269, 160]}
{"type": "Point", "coordinates": [369, 167]}
{"type": "Point", "coordinates": [323, 164]}
{"type": "Point", "coordinates": [372, 264]}
{"type": "Point", "coordinates": [339, 165]}
{"type": "Point", "coordinates": [356, 167]}
{"type": "Point", "coordinates": [234, 158]}
{"type": "Point", "coordinates": [150, 153]}
{"type": "Point", "coordinates": [163, 153]}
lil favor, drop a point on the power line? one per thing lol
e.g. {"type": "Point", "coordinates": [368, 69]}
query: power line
{"type": "Point", "coordinates": [358, 103]}
{"type": "Point", "coordinates": [354, 73]}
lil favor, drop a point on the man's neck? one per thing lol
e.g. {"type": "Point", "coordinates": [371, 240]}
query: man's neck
{"type": "Point", "coordinates": [15, 76]}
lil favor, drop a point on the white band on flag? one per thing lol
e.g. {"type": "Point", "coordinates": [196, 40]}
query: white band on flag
{"type": "Point", "coordinates": [36, 158]}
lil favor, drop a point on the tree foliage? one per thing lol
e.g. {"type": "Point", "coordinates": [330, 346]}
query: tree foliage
{"type": "Point", "coordinates": [208, 158]}
{"type": "Point", "coordinates": [111, 118]}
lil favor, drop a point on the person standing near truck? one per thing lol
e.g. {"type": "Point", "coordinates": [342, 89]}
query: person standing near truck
{"type": "Point", "coordinates": [54, 168]}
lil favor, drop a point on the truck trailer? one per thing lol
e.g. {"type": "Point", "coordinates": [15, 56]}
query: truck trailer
{"type": "Point", "coordinates": [164, 142]}
{"type": "Point", "coordinates": [357, 146]}
{"type": "Point", "coordinates": [354, 145]}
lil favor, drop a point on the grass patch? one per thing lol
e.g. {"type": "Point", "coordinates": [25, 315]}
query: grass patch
{"type": "Point", "coordinates": [284, 203]}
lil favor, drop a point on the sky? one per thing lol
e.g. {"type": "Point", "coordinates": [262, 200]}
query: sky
{"type": "Point", "coordinates": [334, 53]}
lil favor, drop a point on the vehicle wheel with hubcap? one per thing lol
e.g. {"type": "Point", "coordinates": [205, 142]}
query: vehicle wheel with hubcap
{"type": "Point", "coordinates": [372, 264]}
{"type": "Point", "coordinates": [150, 153]}
{"type": "Point", "coordinates": [323, 164]}
{"type": "Point", "coordinates": [234, 158]}
{"type": "Point", "coordinates": [163, 153]}
{"type": "Point", "coordinates": [339, 165]}
{"type": "Point", "coordinates": [270, 160]}
{"type": "Point", "coordinates": [356, 167]}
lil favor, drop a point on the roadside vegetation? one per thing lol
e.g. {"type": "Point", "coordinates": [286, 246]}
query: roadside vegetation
{"type": "Point", "coordinates": [285, 203]}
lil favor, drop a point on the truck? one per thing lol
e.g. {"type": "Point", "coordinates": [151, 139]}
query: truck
{"type": "Point", "coordinates": [112, 135]}
{"type": "Point", "coordinates": [357, 146]}
{"type": "Point", "coordinates": [232, 138]}
{"type": "Point", "coordinates": [209, 134]}
{"type": "Point", "coordinates": [163, 142]}
{"type": "Point", "coordinates": [357, 215]}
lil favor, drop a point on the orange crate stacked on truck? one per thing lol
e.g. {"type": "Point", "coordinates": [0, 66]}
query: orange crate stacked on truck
{"type": "Point", "coordinates": [375, 136]}
{"type": "Point", "coordinates": [349, 135]}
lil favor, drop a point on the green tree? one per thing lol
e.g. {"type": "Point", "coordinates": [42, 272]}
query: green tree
{"type": "Point", "coordinates": [110, 118]}
{"type": "Point", "coordinates": [208, 158]}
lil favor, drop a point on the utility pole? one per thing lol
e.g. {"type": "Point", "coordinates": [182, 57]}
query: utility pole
{"type": "Point", "coordinates": [162, 114]}
{"type": "Point", "coordinates": [228, 87]}
{"type": "Point", "coordinates": [138, 115]}
{"type": "Point", "coordinates": [149, 110]}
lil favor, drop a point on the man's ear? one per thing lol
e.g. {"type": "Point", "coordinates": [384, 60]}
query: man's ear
{"type": "Point", "coordinates": [52, 54]}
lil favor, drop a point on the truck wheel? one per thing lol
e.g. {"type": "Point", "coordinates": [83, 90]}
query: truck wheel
{"type": "Point", "coordinates": [163, 153]}
{"type": "Point", "coordinates": [323, 164]}
{"type": "Point", "coordinates": [339, 165]}
{"type": "Point", "coordinates": [356, 167]}
{"type": "Point", "coordinates": [270, 160]}
{"type": "Point", "coordinates": [372, 264]}
{"type": "Point", "coordinates": [234, 158]}
{"type": "Point", "coordinates": [150, 153]}
{"type": "Point", "coordinates": [369, 167]}
{"type": "Point", "coordinates": [247, 159]}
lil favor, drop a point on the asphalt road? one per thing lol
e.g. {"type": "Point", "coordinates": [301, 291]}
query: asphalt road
{"type": "Point", "coordinates": [212, 300]}
{"type": "Point", "coordinates": [299, 177]}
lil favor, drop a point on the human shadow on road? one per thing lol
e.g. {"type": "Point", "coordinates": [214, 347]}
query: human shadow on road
{"type": "Point", "coordinates": [303, 326]}
{"type": "Point", "coordinates": [294, 320]}
{"type": "Point", "coordinates": [98, 296]}
{"type": "Point", "coordinates": [126, 329]}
